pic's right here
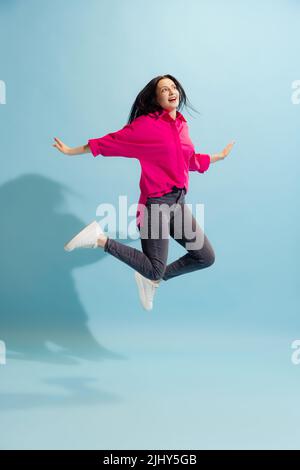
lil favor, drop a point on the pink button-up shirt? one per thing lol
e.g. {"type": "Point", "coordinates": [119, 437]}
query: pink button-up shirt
{"type": "Point", "coordinates": [164, 149]}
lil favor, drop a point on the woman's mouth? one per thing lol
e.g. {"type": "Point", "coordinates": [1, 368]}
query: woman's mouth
{"type": "Point", "coordinates": [173, 99]}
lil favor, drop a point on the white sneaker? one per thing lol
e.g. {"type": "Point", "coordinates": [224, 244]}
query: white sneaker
{"type": "Point", "coordinates": [147, 289]}
{"type": "Point", "coordinates": [87, 238]}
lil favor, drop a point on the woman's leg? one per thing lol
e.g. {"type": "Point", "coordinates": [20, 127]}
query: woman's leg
{"type": "Point", "coordinates": [152, 261]}
{"type": "Point", "coordinates": [200, 252]}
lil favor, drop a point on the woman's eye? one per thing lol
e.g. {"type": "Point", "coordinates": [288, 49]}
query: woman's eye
{"type": "Point", "coordinates": [164, 89]}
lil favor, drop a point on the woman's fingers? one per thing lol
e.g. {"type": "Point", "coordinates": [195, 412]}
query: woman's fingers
{"type": "Point", "coordinates": [228, 148]}
{"type": "Point", "coordinates": [230, 145]}
{"type": "Point", "coordinates": [60, 144]}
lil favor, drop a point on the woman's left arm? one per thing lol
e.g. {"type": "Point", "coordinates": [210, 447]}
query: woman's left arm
{"type": "Point", "coordinates": [225, 152]}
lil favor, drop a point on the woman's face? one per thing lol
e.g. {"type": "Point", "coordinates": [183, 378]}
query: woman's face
{"type": "Point", "coordinates": [165, 90]}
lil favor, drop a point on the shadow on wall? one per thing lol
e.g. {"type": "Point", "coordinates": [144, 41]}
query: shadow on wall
{"type": "Point", "coordinates": [76, 391]}
{"type": "Point", "coordinates": [41, 315]}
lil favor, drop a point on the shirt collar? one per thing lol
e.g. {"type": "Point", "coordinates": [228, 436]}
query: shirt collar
{"type": "Point", "coordinates": [164, 114]}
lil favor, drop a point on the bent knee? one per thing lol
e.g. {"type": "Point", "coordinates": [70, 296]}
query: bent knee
{"type": "Point", "coordinates": [206, 259]}
{"type": "Point", "coordinates": [210, 259]}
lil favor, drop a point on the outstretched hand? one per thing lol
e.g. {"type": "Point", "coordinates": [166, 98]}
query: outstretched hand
{"type": "Point", "coordinates": [63, 148]}
{"type": "Point", "coordinates": [225, 152]}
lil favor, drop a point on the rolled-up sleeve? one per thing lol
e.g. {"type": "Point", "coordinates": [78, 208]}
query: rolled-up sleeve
{"type": "Point", "coordinates": [126, 142]}
{"type": "Point", "coordinates": [199, 162]}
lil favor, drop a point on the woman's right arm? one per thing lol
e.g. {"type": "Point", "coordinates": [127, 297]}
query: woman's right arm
{"type": "Point", "coordinates": [130, 141]}
{"type": "Point", "coordinates": [69, 150]}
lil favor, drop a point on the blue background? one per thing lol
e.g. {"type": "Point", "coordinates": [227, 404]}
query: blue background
{"type": "Point", "coordinates": [210, 366]}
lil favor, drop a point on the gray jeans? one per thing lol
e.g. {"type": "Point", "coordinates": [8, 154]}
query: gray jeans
{"type": "Point", "coordinates": [181, 225]}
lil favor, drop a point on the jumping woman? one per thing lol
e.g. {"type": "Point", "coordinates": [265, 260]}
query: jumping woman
{"type": "Point", "coordinates": [157, 135]}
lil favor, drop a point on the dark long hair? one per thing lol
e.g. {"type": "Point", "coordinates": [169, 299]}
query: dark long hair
{"type": "Point", "coordinates": [146, 103]}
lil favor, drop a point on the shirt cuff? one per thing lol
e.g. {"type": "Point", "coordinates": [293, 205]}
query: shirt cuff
{"type": "Point", "coordinates": [94, 147]}
{"type": "Point", "coordinates": [205, 162]}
